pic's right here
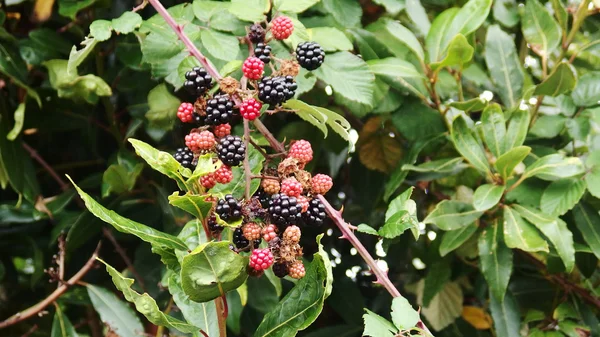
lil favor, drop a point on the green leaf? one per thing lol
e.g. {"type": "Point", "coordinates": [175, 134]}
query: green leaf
{"type": "Point", "coordinates": [540, 29]}
{"type": "Point", "coordinates": [438, 275]}
{"type": "Point", "coordinates": [445, 307]}
{"type": "Point", "coordinates": [13, 66]}
{"type": "Point", "coordinates": [561, 196]}
{"type": "Point", "coordinates": [194, 204]}
{"type": "Point", "coordinates": [505, 12]}
{"type": "Point", "coordinates": [440, 166]}
{"type": "Point", "coordinates": [220, 45]}
{"type": "Point", "coordinates": [435, 37]}
{"type": "Point", "coordinates": [349, 76]}
{"type": "Point", "coordinates": [592, 180]}
{"type": "Point", "coordinates": [162, 105]}
{"type": "Point", "coordinates": [211, 270]}
{"type": "Point", "coordinates": [471, 105]}
{"type": "Point", "coordinates": [506, 315]}
{"type": "Point", "coordinates": [376, 326]}
{"type": "Point", "coordinates": [101, 30]}
{"type": "Point", "coordinates": [347, 12]}
{"type": "Point", "coordinates": [127, 22]}
{"type": "Point", "coordinates": [459, 53]}
{"type": "Point", "coordinates": [587, 91]}
{"type": "Point", "coordinates": [587, 220]}
{"type": "Point", "coordinates": [506, 163]}
{"type": "Point", "coordinates": [249, 10]}
{"type": "Point", "coordinates": [330, 38]}
{"type": "Point", "coordinates": [519, 233]}
{"type": "Point", "coordinates": [561, 81]}
{"type": "Point", "coordinates": [467, 20]}
{"type": "Point", "coordinates": [201, 315]}
{"type": "Point", "coordinates": [308, 113]}
{"type": "Point", "coordinates": [76, 57]}
{"type": "Point", "coordinates": [397, 33]}
{"type": "Point", "coordinates": [398, 74]}
{"type": "Point", "coordinates": [404, 315]}
{"type": "Point", "coordinates": [113, 312]}
{"type": "Point", "coordinates": [548, 126]}
{"type": "Point", "coordinates": [392, 6]}
{"type": "Point", "coordinates": [19, 117]}
{"type": "Point", "coordinates": [144, 304]}
{"type": "Point", "coordinates": [496, 260]}
{"type": "Point", "coordinates": [364, 228]}
{"type": "Point", "coordinates": [205, 165]}
{"type": "Point", "coordinates": [561, 14]}
{"type": "Point", "coordinates": [336, 122]}
{"type": "Point", "coordinates": [119, 179]}
{"type": "Point", "coordinates": [555, 230]}
{"type": "Point", "coordinates": [452, 214]}
{"type": "Point", "coordinates": [401, 215]}
{"type": "Point", "coordinates": [517, 129]}
{"type": "Point", "coordinates": [303, 304]}
{"type": "Point", "coordinates": [160, 161]}
{"type": "Point", "coordinates": [397, 224]}
{"type": "Point", "coordinates": [494, 129]}
{"type": "Point", "coordinates": [555, 166]}
{"type": "Point", "coordinates": [70, 8]}
{"type": "Point", "coordinates": [87, 88]}
{"type": "Point", "coordinates": [418, 16]}
{"type": "Point", "coordinates": [505, 68]}
{"type": "Point", "coordinates": [124, 225]}
{"type": "Point", "coordinates": [468, 145]}
{"type": "Point", "coordinates": [293, 6]}
{"type": "Point", "coordinates": [61, 326]}
{"type": "Point", "coordinates": [455, 238]}
{"type": "Point", "coordinates": [487, 196]}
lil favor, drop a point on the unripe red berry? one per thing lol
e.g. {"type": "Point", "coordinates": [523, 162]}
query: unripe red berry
{"type": "Point", "coordinates": [282, 27]}
{"type": "Point", "coordinates": [185, 112]}
{"type": "Point", "coordinates": [222, 130]}
{"type": "Point", "coordinates": [269, 232]}
{"type": "Point", "coordinates": [292, 234]}
{"type": "Point", "coordinates": [303, 202]}
{"type": "Point", "coordinates": [251, 231]}
{"type": "Point", "coordinates": [223, 174]}
{"type": "Point", "coordinates": [208, 181]}
{"type": "Point", "coordinates": [321, 184]}
{"type": "Point", "coordinates": [296, 270]}
{"type": "Point", "coordinates": [250, 109]}
{"type": "Point", "coordinates": [301, 150]}
{"type": "Point", "coordinates": [204, 140]}
{"type": "Point", "coordinates": [291, 187]}
{"type": "Point", "coordinates": [253, 68]}
{"type": "Point", "coordinates": [261, 259]}
{"type": "Point", "coordinates": [270, 186]}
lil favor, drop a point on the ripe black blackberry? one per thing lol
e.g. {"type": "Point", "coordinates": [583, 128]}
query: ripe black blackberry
{"type": "Point", "coordinates": [284, 210]}
{"type": "Point", "coordinates": [219, 110]}
{"type": "Point", "coordinates": [263, 197]}
{"type": "Point", "coordinates": [310, 55]}
{"type": "Point", "coordinates": [276, 90]}
{"type": "Point", "coordinates": [257, 33]}
{"type": "Point", "coordinates": [229, 208]}
{"type": "Point", "coordinates": [240, 241]}
{"type": "Point", "coordinates": [280, 269]}
{"type": "Point", "coordinates": [315, 214]}
{"type": "Point", "coordinates": [214, 228]}
{"type": "Point", "coordinates": [263, 52]}
{"type": "Point", "coordinates": [185, 157]}
{"type": "Point", "coordinates": [231, 150]}
{"type": "Point", "coordinates": [198, 81]}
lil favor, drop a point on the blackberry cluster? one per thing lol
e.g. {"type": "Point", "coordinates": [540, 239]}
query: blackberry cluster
{"type": "Point", "coordinates": [214, 228]}
{"type": "Point", "coordinates": [198, 81]}
{"type": "Point", "coordinates": [219, 110]}
{"type": "Point", "coordinates": [280, 269]}
{"type": "Point", "coordinates": [284, 209]}
{"type": "Point", "coordinates": [262, 197]}
{"type": "Point", "coordinates": [229, 208]}
{"type": "Point", "coordinates": [315, 214]}
{"type": "Point", "coordinates": [240, 241]}
{"type": "Point", "coordinates": [231, 150]}
{"type": "Point", "coordinates": [257, 33]}
{"type": "Point", "coordinates": [310, 55]}
{"type": "Point", "coordinates": [185, 157]}
{"type": "Point", "coordinates": [276, 90]}
{"type": "Point", "coordinates": [263, 52]}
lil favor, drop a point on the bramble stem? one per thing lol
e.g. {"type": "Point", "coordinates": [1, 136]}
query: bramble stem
{"type": "Point", "coordinates": [247, 171]}
{"type": "Point", "coordinates": [269, 136]}
{"type": "Point", "coordinates": [34, 310]}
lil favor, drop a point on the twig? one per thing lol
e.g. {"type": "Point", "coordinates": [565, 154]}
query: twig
{"type": "Point", "coordinates": [247, 171]}
{"type": "Point", "coordinates": [259, 148]}
{"type": "Point", "coordinates": [35, 155]}
{"type": "Point", "coordinates": [140, 6]}
{"type": "Point", "coordinates": [61, 258]}
{"type": "Point", "coordinates": [108, 234]}
{"type": "Point", "coordinates": [35, 309]}
{"type": "Point", "coordinates": [269, 136]}
{"type": "Point", "coordinates": [30, 331]}
{"type": "Point", "coordinates": [382, 277]}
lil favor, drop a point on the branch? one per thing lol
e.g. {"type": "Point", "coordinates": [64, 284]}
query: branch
{"type": "Point", "coordinates": [178, 29]}
{"type": "Point", "coordinates": [33, 310]}
{"type": "Point", "coordinates": [247, 171]}
{"type": "Point", "coordinates": [269, 136]}
{"type": "Point", "coordinates": [33, 153]}
{"type": "Point", "coordinates": [382, 277]}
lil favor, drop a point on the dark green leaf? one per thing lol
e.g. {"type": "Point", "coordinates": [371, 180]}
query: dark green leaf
{"type": "Point", "coordinates": [435, 37]}
{"type": "Point", "coordinates": [555, 166]}
{"type": "Point", "coordinates": [455, 238]}
{"type": "Point", "coordinates": [506, 314]}
{"type": "Point", "coordinates": [468, 145]}
{"type": "Point", "coordinates": [192, 203]}
{"type": "Point", "coordinates": [540, 29]}
{"type": "Point", "coordinates": [418, 16]}
{"type": "Point", "coordinates": [507, 162]}
{"type": "Point", "coordinates": [587, 220]}
{"type": "Point", "coordinates": [561, 14]}
{"type": "Point", "coordinates": [69, 8]}
{"type": "Point", "coordinates": [220, 45]}
{"type": "Point", "coordinates": [61, 326]}
{"type": "Point", "coordinates": [587, 91]}
{"type": "Point", "coordinates": [160, 161]}
{"type": "Point", "coordinates": [548, 126]}
{"type": "Point", "coordinates": [437, 276]}
{"type": "Point", "coordinates": [294, 6]}
{"type": "Point", "coordinates": [496, 260]}
{"type": "Point", "coordinates": [472, 105]}
{"type": "Point", "coordinates": [459, 53]}
{"type": "Point", "coordinates": [494, 129]}
{"type": "Point", "coordinates": [346, 12]}
{"type": "Point", "coordinates": [505, 12]}
{"type": "Point", "coordinates": [517, 129]}
{"type": "Point", "coordinates": [504, 65]}
{"type": "Point", "coordinates": [487, 196]}
{"type": "Point", "coordinates": [249, 10]}
{"type": "Point", "coordinates": [452, 214]}
{"type": "Point", "coordinates": [561, 81]}
{"type": "Point", "coordinates": [330, 39]}
{"type": "Point", "coordinates": [467, 20]}
{"type": "Point", "coordinates": [519, 233]}
{"type": "Point", "coordinates": [561, 196]}
{"type": "Point", "coordinates": [113, 312]}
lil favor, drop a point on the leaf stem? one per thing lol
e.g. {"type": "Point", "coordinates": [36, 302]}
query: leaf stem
{"type": "Point", "coordinates": [35, 309]}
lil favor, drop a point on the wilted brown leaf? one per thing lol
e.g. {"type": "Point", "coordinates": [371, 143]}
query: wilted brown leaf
{"type": "Point", "coordinates": [378, 146]}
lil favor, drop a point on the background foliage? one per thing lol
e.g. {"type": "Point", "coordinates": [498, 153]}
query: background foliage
{"type": "Point", "coordinates": [482, 116]}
